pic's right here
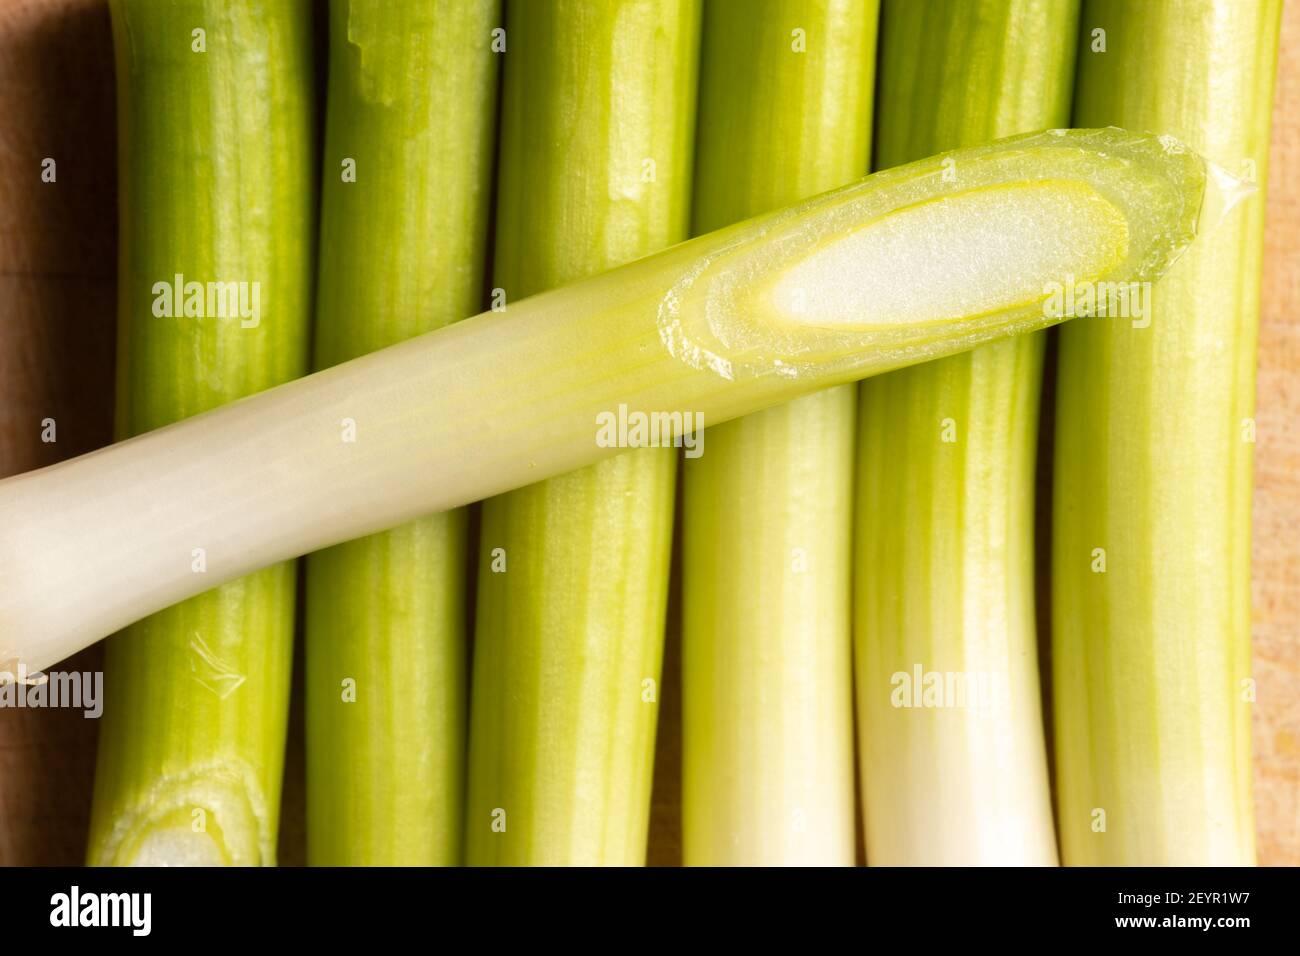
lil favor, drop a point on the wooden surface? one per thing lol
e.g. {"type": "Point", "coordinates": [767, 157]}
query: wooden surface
{"type": "Point", "coordinates": [57, 302]}
{"type": "Point", "coordinates": [1276, 558]}
{"type": "Point", "coordinates": [56, 358]}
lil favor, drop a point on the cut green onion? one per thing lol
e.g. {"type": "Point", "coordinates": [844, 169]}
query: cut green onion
{"type": "Point", "coordinates": [767, 731]}
{"type": "Point", "coordinates": [946, 476]}
{"type": "Point", "coordinates": [712, 327]}
{"type": "Point", "coordinates": [573, 572]}
{"type": "Point", "coordinates": [1154, 433]}
{"type": "Point", "coordinates": [412, 103]}
{"type": "Point", "coordinates": [217, 199]}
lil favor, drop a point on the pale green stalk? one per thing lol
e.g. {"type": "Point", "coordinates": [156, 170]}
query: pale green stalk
{"type": "Point", "coordinates": [899, 268]}
{"type": "Point", "coordinates": [407, 171]}
{"type": "Point", "coordinates": [1154, 434]}
{"type": "Point", "coordinates": [217, 184]}
{"type": "Point", "coordinates": [946, 477]}
{"type": "Point", "coordinates": [598, 117]}
{"type": "Point", "coordinates": [767, 721]}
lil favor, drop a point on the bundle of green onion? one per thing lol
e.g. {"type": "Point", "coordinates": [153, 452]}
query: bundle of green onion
{"type": "Point", "coordinates": [484, 686]}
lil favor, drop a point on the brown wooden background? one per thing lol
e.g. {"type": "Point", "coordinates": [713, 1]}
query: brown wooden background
{"type": "Point", "coordinates": [57, 292]}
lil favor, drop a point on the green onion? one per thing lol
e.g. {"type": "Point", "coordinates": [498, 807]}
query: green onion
{"type": "Point", "coordinates": [767, 731]}
{"type": "Point", "coordinates": [573, 575]}
{"type": "Point", "coordinates": [946, 475]}
{"type": "Point", "coordinates": [412, 103]}
{"type": "Point", "coordinates": [217, 185]}
{"type": "Point", "coordinates": [902, 267]}
{"type": "Point", "coordinates": [1154, 432]}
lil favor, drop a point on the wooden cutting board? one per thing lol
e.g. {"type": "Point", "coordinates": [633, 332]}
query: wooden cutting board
{"type": "Point", "coordinates": [1276, 554]}
{"type": "Point", "coordinates": [57, 292]}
